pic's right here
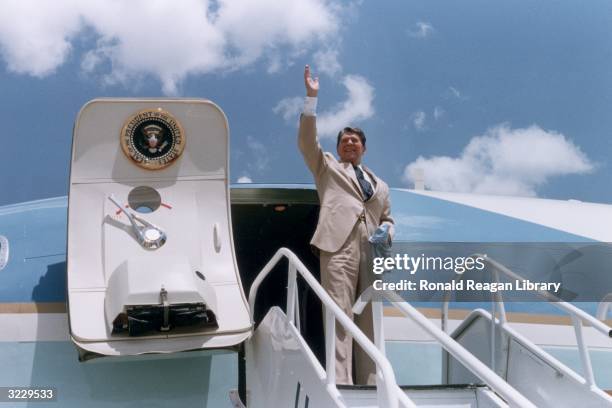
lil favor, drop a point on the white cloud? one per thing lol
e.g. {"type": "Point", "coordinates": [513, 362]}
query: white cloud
{"type": "Point", "coordinates": [503, 161]}
{"type": "Point", "coordinates": [438, 112]}
{"type": "Point", "coordinates": [258, 154]}
{"type": "Point", "coordinates": [35, 36]}
{"type": "Point", "coordinates": [418, 120]}
{"type": "Point", "coordinates": [357, 107]}
{"type": "Point", "coordinates": [289, 108]}
{"type": "Point", "coordinates": [423, 29]}
{"type": "Point", "coordinates": [253, 27]}
{"type": "Point", "coordinates": [327, 62]}
{"type": "Point", "coordinates": [275, 63]}
{"type": "Point", "coordinates": [454, 93]}
{"type": "Point", "coordinates": [244, 180]}
{"type": "Point", "coordinates": [162, 39]}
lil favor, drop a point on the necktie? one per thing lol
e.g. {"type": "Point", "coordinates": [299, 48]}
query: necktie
{"type": "Point", "coordinates": [366, 187]}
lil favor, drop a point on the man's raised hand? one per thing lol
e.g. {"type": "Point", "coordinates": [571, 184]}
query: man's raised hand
{"type": "Point", "coordinates": [312, 85]}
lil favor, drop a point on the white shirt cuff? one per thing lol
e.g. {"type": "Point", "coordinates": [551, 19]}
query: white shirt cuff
{"type": "Point", "coordinates": [310, 106]}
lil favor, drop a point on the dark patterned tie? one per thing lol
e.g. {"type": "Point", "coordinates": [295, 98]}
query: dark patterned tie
{"type": "Point", "coordinates": [366, 187]}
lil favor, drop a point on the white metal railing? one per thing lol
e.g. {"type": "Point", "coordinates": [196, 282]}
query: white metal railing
{"type": "Point", "coordinates": [472, 363]}
{"type": "Point", "coordinates": [577, 315]}
{"type": "Point", "coordinates": [389, 394]}
{"type": "Point", "coordinates": [604, 307]}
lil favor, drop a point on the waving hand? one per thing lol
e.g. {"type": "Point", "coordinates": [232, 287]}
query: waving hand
{"type": "Point", "coordinates": [312, 84]}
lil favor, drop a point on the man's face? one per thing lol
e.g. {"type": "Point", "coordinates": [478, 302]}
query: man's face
{"type": "Point", "coordinates": [351, 149]}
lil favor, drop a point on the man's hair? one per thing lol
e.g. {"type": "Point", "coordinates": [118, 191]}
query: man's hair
{"type": "Point", "coordinates": [352, 130]}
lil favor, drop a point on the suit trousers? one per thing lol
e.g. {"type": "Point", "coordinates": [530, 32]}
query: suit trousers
{"type": "Point", "coordinates": [345, 274]}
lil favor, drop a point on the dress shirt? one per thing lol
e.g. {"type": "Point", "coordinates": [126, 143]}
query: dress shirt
{"type": "Point", "coordinates": [310, 106]}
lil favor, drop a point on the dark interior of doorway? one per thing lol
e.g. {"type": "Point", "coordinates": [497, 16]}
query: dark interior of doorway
{"type": "Point", "coordinates": [264, 220]}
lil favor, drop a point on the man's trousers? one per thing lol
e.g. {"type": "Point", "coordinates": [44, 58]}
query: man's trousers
{"type": "Point", "coordinates": [345, 274]}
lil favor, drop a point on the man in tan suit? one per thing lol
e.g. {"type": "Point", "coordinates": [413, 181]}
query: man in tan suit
{"type": "Point", "coordinates": [354, 202]}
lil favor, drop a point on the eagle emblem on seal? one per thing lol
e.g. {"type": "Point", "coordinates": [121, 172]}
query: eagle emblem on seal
{"type": "Point", "coordinates": [153, 139]}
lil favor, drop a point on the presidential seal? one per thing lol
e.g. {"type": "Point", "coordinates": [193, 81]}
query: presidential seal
{"type": "Point", "coordinates": [152, 138]}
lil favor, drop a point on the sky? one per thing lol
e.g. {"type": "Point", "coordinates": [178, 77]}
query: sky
{"type": "Point", "coordinates": [482, 97]}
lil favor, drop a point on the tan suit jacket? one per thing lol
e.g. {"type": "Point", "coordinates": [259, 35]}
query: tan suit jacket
{"type": "Point", "coordinates": [339, 192]}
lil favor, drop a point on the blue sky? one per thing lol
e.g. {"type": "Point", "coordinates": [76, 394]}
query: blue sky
{"type": "Point", "coordinates": [486, 97]}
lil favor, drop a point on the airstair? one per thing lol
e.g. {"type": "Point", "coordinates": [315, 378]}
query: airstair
{"type": "Point", "coordinates": [532, 371]}
{"type": "Point", "coordinates": [282, 370]}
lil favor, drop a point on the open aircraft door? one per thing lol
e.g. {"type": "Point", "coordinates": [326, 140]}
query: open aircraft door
{"type": "Point", "coordinates": [151, 263]}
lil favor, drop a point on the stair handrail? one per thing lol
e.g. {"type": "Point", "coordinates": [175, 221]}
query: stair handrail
{"type": "Point", "coordinates": [388, 392]}
{"type": "Point", "coordinates": [469, 361]}
{"type": "Point", "coordinates": [577, 315]}
{"type": "Point", "coordinates": [604, 307]}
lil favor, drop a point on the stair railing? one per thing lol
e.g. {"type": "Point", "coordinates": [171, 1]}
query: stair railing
{"type": "Point", "coordinates": [469, 361]}
{"type": "Point", "coordinates": [577, 315]}
{"type": "Point", "coordinates": [389, 394]}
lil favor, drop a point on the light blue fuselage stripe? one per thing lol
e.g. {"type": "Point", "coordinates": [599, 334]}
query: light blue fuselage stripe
{"type": "Point", "coordinates": [36, 271]}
